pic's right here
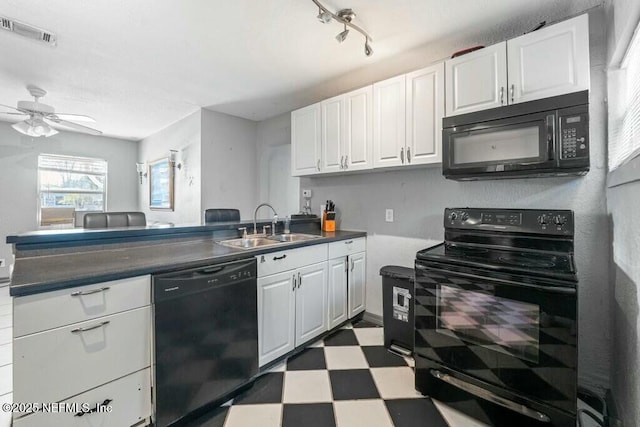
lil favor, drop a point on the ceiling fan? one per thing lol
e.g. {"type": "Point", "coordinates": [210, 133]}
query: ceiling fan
{"type": "Point", "coordinates": [43, 116]}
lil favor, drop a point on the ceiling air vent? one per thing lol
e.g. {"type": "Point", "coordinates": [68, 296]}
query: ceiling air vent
{"type": "Point", "coordinates": [28, 31]}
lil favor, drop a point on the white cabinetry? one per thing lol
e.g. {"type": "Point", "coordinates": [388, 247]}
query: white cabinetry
{"type": "Point", "coordinates": [347, 279]}
{"type": "Point", "coordinates": [306, 140]}
{"type": "Point", "coordinates": [357, 282]}
{"type": "Point", "coordinates": [477, 81]}
{"type": "Point", "coordinates": [551, 61]}
{"type": "Point", "coordinates": [292, 295]}
{"type": "Point", "coordinates": [70, 341]}
{"type": "Point", "coordinates": [408, 113]}
{"type": "Point", "coordinates": [338, 291]}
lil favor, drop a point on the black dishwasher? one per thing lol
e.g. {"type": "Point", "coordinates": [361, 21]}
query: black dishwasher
{"type": "Point", "coordinates": [206, 336]}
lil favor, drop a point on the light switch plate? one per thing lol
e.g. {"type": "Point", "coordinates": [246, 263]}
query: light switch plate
{"type": "Point", "coordinates": [388, 215]}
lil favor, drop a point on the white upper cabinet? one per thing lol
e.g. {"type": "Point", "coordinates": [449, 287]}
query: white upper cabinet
{"type": "Point", "coordinates": [548, 62]}
{"type": "Point", "coordinates": [306, 135]}
{"type": "Point", "coordinates": [358, 139]}
{"type": "Point", "coordinates": [389, 124]}
{"type": "Point", "coordinates": [424, 110]}
{"type": "Point", "coordinates": [347, 131]}
{"type": "Point", "coordinates": [477, 81]}
{"type": "Point", "coordinates": [551, 61]}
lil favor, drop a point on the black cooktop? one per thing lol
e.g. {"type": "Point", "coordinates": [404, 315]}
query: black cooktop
{"type": "Point", "coordinates": [518, 260]}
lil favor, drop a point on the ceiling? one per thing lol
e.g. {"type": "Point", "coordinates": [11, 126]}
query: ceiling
{"type": "Point", "coordinates": [138, 66]}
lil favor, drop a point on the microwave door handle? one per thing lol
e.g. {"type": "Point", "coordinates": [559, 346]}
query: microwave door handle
{"type": "Point", "coordinates": [551, 136]}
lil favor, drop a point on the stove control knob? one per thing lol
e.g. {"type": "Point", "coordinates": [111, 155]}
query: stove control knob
{"type": "Point", "coordinates": [542, 219]}
{"type": "Point", "coordinates": [559, 220]}
{"type": "Point", "coordinates": [464, 216]}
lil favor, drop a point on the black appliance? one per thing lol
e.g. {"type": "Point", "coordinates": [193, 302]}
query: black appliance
{"type": "Point", "coordinates": [537, 138]}
{"type": "Point", "coordinates": [206, 337]}
{"type": "Point", "coordinates": [397, 308]}
{"type": "Point", "coordinates": [496, 317]}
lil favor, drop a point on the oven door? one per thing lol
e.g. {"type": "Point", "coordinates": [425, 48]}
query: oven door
{"type": "Point", "coordinates": [518, 336]}
{"type": "Point", "coordinates": [523, 143]}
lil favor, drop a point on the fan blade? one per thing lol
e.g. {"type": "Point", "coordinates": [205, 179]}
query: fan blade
{"type": "Point", "coordinates": [71, 125]}
{"type": "Point", "coordinates": [12, 108]}
{"type": "Point", "coordinates": [13, 114]}
{"type": "Point", "coordinates": [74, 117]}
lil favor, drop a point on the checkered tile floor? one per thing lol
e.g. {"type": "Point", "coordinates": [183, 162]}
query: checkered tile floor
{"type": "Point", "coordinates": [347, 379]}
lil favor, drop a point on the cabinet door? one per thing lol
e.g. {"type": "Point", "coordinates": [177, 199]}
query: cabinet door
{"type": "Point", "coordinates": [425, 109]}
{"type": "Point", "coordinates": [337, 290]}
{"type": "Point", "coordinates": [477, 81]}
{"type": "Point", "coordinates": [389, 122]}
{"type": "Point", "coordinates": [311, 302]}
{"type": "Point", "coordinates": [305, 140]}
{"type": "Point", "coordinates": [276, 311]}
{"type": "Point", "coordinates": [357, 283]}
{"type": "Point", "coordinates": [333, 131]}
{"type": "Point", "coordinates": [551, 61]}
{"type": "Point", "coordinates": [358, 141]}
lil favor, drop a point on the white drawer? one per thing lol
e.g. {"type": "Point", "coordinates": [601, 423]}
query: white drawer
{"type": "Point", "coordinates": [48, 310]}
{"type": "Point", "coordinates": [277, 262]}
{"type": "Point", "coordinates": [130, 402]}
{"type": "Point", "coordinates": [347, 247]}
{"type": "Point", "coordinates": [54, 365]}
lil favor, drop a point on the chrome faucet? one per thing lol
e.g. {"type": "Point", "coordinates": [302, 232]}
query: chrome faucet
{"type": "Point", "coordinates": [274, 222]}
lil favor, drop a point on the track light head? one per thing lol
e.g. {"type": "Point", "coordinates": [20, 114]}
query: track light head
{"type": "Point", "coordinates": [343, 35]}
{"type": "Point", "coordinates": [324, 17]}
{"type": "Point", "coordinates": [346, 14]}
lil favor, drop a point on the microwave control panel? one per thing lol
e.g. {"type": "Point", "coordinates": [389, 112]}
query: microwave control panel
{"type": "Point", "coordinates": [574, 132]}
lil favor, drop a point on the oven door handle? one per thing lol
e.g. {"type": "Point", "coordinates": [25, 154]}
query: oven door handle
{"type": "Point", "coordinates": [490, 396]}
{"type": "Point", "coordinates": [547, 289]}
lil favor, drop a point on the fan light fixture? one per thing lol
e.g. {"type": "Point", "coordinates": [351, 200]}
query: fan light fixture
{"type": "Point", "coordinates": [344, 16]}
{"type": "Point", "coordinates": [34, 127]}
{"type": "Point", "coordinates": [141, 168]}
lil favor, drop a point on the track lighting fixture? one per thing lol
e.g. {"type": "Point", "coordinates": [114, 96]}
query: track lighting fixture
{"type": "Point", "coordinates": [344, 16]}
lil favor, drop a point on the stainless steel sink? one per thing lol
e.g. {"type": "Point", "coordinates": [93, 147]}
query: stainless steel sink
{"type": "Point", "coordinates": [252, 242]}
{"type": "Point", "coordinates": [293, 237]}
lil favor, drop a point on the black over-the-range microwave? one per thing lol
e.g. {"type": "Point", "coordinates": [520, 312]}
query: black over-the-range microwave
{"type": "Point", "coordinates": [545, 137]}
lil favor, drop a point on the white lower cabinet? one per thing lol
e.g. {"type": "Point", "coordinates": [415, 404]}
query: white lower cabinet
{"type": "Point", "coordinates": [123, 402]}
{"type": "Point", "coordinates": [291, 310]}
{"type": "Point", "coordinates": [357, 281]}
{"type": "Point", "coordinates": [337, 291]}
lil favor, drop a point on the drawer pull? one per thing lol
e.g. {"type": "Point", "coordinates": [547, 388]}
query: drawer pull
{"type": "Point", "coordinates": [96, 408]}
{"type": "Point", "coordinates": [99, 325]}
{"type": "Point", "coordinates": [93, 291]}
{"type": "Point", "coordinates": [348, 242]}
{"type": "Point", "coordinates": [277, 258]}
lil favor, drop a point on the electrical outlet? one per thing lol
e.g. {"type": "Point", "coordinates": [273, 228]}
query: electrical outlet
{"type": "Point", "coordinates": [2, 262]}
{"type": "Point", "coordinates": [306, 193]}
{"type": "Point", "coordinates": [388, 215]}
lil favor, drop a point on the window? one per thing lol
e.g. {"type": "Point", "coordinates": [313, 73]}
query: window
{"type": "Point", "coordinates": [67, 185]}
{"type": "Point", "coordinates": [624, 107]}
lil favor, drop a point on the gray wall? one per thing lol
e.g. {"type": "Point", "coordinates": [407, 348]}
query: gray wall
{"type": "Point", "coordinates": [228, 163]}
{"type": "Point", "coordinates": [19, 175]}
{"type": "Point", "coordinates": [419, 197]}
{"type": "Point", "coordinates": [623, 200]}
{"type": "Point", "coordinates": [184, 136]}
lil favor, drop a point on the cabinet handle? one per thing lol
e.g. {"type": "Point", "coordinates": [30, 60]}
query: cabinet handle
{"type": "Point", "coordinates": [513, 89]}
{"type": "Point", "coordinates": [299, 280]}
{"type": "Point", "coordinates": [93, 291]}
{"type": "Point", "coordinates": [346, 266]}
{"type": "Point", "coordinates": [348, 242]}
{"type": "Point", "coordinates": [318, 165]}
{"type": "Point", "coordinates": [501, 95]}
{"type": "Point", "coordinates": [90, 328]}
{"type": "Point", "coordinates": [402, 154]}
{"type": "Point", "coordinates": [94, 409]}
{"type": "Point", "coordinates": [341, 162]}
{"type": "Point", "coordinates": [278, 258]}
{"type": "Point", "coordinates": [408, 154]}
{"type": "Point", "coordinates": [294, 283]}
{"type": "Point", "coordinates": [346, 162]}
{"type": "Point", "coordinates": [352, 264]}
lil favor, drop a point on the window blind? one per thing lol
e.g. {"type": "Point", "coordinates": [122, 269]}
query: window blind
{"type": "Point", "coordinates": [624, 107]}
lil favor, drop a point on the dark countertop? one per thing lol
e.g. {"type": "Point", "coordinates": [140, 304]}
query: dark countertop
{"type": "Point", "coordinates": [51, 271]}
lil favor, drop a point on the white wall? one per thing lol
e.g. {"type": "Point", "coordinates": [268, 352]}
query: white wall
{"type": "Point", "coordinates": [623, 202]}
{"type": "Point", "coordinates": [184, 136]}
{"type": "Point", "coordinates": [420, 196]}
{"type": "Point", "coordinates": [228, 163]}
{"type": "Point", "coordinates": [275, 183]}
{"type": "Point", "coordinates": [19, 174]}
